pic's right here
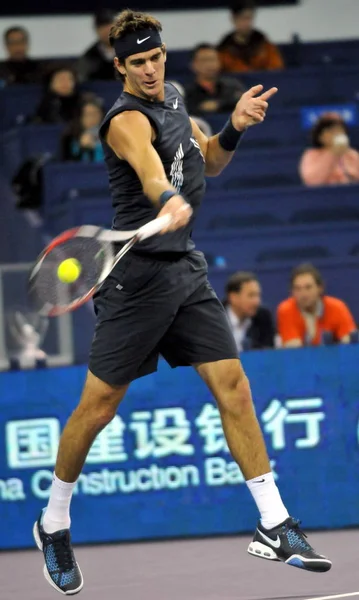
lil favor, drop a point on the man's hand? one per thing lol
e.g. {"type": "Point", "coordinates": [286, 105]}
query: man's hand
{"type": "Point", "coordinates": [251, 108]}
{"type": "Point", "coordinates": [179, 210]}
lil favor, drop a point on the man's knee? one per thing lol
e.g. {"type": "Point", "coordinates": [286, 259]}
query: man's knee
{"type": "Point", "coordinates": [99, 401]}
{"type": "Point", "coordinates": [235, 395]}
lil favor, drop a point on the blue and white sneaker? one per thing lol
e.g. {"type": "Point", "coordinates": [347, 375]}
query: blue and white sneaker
{"type": "Point", "coordinates": [61, 569]}
{"type": "Point", "coordinates": [287, 542]}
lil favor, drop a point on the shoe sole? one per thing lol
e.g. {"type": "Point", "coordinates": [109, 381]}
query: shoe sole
{"type": "Point", "coordinates": [47, 576]}
{"type": "Point", "coordinates": [316, 565]}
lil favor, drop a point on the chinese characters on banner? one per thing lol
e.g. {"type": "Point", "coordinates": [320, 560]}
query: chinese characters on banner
{"type": "Point", "coordinates": [163, 432]}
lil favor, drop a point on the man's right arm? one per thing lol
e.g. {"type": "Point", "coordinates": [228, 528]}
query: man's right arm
{"type": "Point", "coordinates": [130, 136]}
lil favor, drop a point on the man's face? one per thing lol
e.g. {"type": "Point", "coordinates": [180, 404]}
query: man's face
{"type": "Point", "coordinates": [246, 302]}
{"type": "Point", "coordinates": [17, 45]}
{"type": "Point", "coordinates": [206, 63]}
{"type": "Point", "coordinates": [145, 73]}
{"type": "Point", "coordinates": [244, 21]}
{"type": "Point", "coordinates": [103, 32]}
{"type": "Point", "coordinates": [306, 291]}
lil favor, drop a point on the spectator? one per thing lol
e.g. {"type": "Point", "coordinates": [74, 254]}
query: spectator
{"type": "Point", "coordinates": [247, 49]}
{"type": "Point", "coordinates": [252, 324]}
{"type": "Point", "coordinates": [97, 62]}
{"type": "Point", "coordinates": [310, 318]}
{"type": "Point", "coordinates": [61, 99]}
{"type": "Point", "coordinates": [331, 160]}
{"type": "Point", "coordinates": [18, 68]}
{"type": "Point", "coordinates": [210, 92]}
{"type": "Point", "coordinates": [81, 141]}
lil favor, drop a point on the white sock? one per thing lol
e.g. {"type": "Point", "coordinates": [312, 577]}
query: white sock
{"type": "Point", "coordinates": [267, 498]}
{"type": "Point", "coordinates": [57, 513]}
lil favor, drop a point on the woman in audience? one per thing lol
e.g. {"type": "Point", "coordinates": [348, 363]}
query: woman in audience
{"type": "Point", "coordinates": [61, 98]}
{"type": "Point", "coordinates": [331, 160]}
{"type": "Point", "coordinates": [81, 141]}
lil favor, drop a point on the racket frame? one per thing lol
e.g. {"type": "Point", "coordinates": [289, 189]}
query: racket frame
{"type": "Point", "coordinates": [106, 238]}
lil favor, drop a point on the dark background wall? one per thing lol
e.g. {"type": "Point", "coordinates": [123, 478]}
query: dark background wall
{"type": "Point", "coordinates": [24, 7]}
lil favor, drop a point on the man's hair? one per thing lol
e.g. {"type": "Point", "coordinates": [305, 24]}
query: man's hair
{"type": "Point", "coordinates": [307, 269]}
{"type": "Point", "coordinates": [203, 46]}
{"type": "Point", "coordinates": [240, 5]}
{"type": "Point", "coordinates": [323, 123]}
{"type": "Point", "coordinates": [129, 21]}
{"type": "Point", "coordinates": [237, 281]}
{"type": "Point", "coordinates": [16, 29]}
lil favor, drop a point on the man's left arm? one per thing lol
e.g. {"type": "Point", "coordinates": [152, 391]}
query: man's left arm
{"type": "Point", "coordinates": [219, 149]}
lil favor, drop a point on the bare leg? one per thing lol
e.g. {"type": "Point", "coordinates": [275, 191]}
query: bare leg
{"type": "Point", "coordinates": [97, 407]}
{"type": "Point", "coordinates": [229, 385]}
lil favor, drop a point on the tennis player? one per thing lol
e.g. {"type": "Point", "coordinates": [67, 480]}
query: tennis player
{"type": "Point", "coordinates": [158, 299]}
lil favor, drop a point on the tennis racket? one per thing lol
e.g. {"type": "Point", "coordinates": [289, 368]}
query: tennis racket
{"type": "Point", "coordinates": [91, 249]}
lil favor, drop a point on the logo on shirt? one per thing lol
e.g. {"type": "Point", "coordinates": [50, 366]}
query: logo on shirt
{"type": "Point", "coordinates": [177, 169]}
{"type": "Point", "coordinates": [144, 39]}
{"type": "Point", "coordinates": [175, 104]}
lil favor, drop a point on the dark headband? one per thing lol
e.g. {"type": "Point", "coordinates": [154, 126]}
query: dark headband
{"type": "Point", "coordinates": [137, 41]}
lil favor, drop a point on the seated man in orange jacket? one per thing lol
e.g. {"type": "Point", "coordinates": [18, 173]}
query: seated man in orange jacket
{"type": "Point", "coordinates": [246, 48]}
{"type": "Point", "coordinates": [309, 316]}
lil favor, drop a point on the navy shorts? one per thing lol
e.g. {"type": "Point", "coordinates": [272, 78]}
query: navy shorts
{"type": "Point", "coordinates": [149, 307]}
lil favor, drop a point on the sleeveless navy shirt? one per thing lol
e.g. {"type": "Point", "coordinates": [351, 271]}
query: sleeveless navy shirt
{"type": "Point", "coordinates": [182, 159]}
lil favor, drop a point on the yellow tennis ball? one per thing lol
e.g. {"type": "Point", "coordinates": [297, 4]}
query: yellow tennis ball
{"type": "Point", "coordinates": [69, 270]}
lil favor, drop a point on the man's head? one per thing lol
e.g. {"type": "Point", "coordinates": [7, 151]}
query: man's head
{"type": "Point", "coordinates": [243, 13]}
{"type": "Point", "coordinates": [140, 55]}
{"type": "Point", "coordinates": [16, 41]}
{"type": "Point", "coordinates": [307, 286]}
{"type": "Point", "coordinates": [243, 294]}
{"type": "Point", "coordinates": [205, 62]}
{"type": "Point", "coordinates": [103, 20]}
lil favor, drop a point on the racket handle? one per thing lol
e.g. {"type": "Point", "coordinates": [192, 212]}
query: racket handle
{"type": "Point", "coordinates": [153, 227]}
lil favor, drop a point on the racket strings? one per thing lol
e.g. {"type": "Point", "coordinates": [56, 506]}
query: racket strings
{"type": "Point", "coordinates": [48, 290]}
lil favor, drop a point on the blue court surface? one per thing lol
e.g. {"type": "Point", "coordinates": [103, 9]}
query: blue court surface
{"type": "Point", "coordinates": [204, 569]}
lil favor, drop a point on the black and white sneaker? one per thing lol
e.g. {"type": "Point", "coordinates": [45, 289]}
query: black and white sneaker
{"type": "Point", "coordinates": [287, 542]}
{"type": "Point", "coordinates": [61, 569]}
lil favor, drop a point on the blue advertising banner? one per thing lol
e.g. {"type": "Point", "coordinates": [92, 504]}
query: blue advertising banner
{"type": "Point", "coordinates": [310, 114]}
{"type": "Point", "coordinates": [162, 468]}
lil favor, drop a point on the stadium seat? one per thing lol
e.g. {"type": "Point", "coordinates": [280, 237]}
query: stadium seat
{"type": "Point", "coordinates": [321, 215]}
{"type": "Point", "coordinates": [220, 208]}
{"type": "Point", "coordinates": [298, 253]}
{"type": "Point", "coordinates": [288, 244]}
{"type": "Point", "coordinates": [259, 168]}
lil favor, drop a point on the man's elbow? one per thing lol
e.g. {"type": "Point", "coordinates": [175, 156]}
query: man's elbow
{"type": "Point", "coordinates": [213, 170]}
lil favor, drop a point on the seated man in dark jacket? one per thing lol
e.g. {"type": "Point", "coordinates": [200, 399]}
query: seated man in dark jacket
{"type": "Point", "coordinates": [97, 62]}
{"type": "Point", "coordinates": [210, 92]}
{"type": "Point", "coordinates": [252, 324]}
{"type": "Point", "coordinates": [18, 67]}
